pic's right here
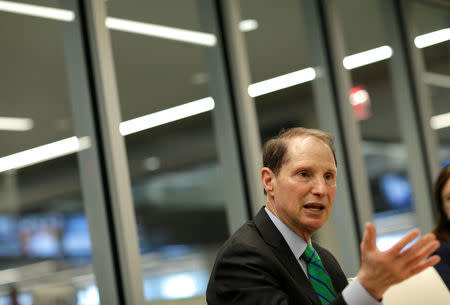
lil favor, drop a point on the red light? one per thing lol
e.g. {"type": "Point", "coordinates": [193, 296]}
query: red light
{"type": "Point", "coordinates": [360, 100]}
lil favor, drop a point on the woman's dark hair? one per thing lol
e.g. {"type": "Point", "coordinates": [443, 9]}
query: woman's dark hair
{"type": "Point", "coordinates": [442, 228]}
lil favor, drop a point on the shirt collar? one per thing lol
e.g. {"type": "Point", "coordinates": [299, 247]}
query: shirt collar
{"type": "Point", "coordinates": [295, 242]}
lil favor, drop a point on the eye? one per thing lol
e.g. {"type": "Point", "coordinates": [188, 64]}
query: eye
{"type": "Point", "coordinates": [329, 176]}
{"type": "Point", "coordinates": [304, 174]}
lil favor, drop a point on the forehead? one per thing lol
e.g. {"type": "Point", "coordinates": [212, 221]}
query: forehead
{"type": "Point", "coordinates": [309, 149]}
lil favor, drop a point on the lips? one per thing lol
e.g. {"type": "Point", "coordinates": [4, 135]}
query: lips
{"type": "Point", "coordinates": [314, 206]}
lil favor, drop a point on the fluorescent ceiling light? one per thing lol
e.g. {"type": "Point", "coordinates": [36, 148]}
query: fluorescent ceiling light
{"type": "Point", "coordinates": [440, 121]}
{"type": "Point", "coordinates": [166, 116]}
{"type": "Point", "coordinates": [44, 153]}
{"type": "Point", "coordinates": [15, 124]}
{"type": "Point", "coordinates": [161, 31]}
{"type": "Point", "coordinates": [248, 25]}
{"type": "Point", "coordinates": [37, 11]}
{"type": "Point", "coordinates": [281, 82]}
{"type": "Point", "coordinates": [367, 57]}
{"type": "Point", "coordinates": [432, 38]}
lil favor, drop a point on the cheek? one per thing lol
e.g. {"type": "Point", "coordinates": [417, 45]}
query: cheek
{"type": "Point", "coordinates": [332, 194]}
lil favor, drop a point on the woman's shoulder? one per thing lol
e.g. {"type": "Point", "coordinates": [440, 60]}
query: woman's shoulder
{"type": "Point", "coordinates": [443, 249]}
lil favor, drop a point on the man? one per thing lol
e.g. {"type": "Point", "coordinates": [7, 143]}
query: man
{"type": "Point", "coordinates": [272, 260]}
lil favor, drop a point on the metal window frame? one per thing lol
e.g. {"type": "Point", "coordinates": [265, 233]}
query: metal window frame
{"type": "Point", "coordinates": [353, 207]}
{"type": "Point", "coordinates": [342, 232]}
{"type": "Point", "coordinates": [103, 168]}
{"type": "Point", "coordinates": [226, 131]}
{"type": "Point", "coordinates": [107, 188]}
{"type": "Point", "coordinates": [236, 65]}
{"type": "Point", "coordinates": [413, 107]}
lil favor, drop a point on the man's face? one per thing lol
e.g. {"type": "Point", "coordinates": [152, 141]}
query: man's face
{"type": "Point", "coordinates": [302, 194]}
{"type": "Point", "coordinates": [446, 198]}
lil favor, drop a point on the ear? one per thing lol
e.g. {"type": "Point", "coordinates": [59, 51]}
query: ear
{"type": "Point", "coordinates": [268, 180]}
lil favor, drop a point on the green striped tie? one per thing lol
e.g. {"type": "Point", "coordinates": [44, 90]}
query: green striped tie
{"type": "Point", "coordinates": [318, 276]}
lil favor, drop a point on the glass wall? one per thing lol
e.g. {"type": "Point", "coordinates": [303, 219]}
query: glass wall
{"type": "Point", "coordinates": [45, 249]}
{"type": "Point", "coordinates": [291, 86]}
{"type": "Point", "coordinates": [367, 56]}
{"type": "Point", "coordinates": [280, 69]}
{"type": "Point", "coordinates": [182, 126]}
{"type": "Point", "coordinates": [166, 105]}
{"type": "Point", "coordinates": [431, 28]}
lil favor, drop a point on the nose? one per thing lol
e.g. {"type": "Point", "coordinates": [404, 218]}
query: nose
{"type": "Point", "coordinates": [319, 187]}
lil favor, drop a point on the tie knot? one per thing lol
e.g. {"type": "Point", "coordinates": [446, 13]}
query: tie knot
{"type": "Point", "coordinates": [310, 255]}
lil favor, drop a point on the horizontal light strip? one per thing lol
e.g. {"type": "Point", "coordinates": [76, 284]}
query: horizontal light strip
{"type": "Point", "coordinates": [367, 57]}
{"type": "Point", "coordinates": [440, 121]}
{"type": "Point", "coordinates": [432, 38]}
{"type": "Point", "coordinates": [166, 116]}
{"type": "Point", "coordinates": [15, 124]}
{"type": "Point", "coordinates": [148, 29]}
{"type": "Point", "coordinates": [161, 31]}
{"type": "Point", "coordinates": [43, 153]}
{"type": "Point", "coordinates": [248, 25]}
{"type": "Point", "coordinates": [73, 144]}
{"type": "Point", "coordinates": [36, 10]}
{"type": "Point", "coordinates": [281, 82]}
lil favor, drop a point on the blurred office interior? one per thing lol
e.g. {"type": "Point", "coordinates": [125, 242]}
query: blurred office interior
{"type": "Point", "coordinates": [131, 132]}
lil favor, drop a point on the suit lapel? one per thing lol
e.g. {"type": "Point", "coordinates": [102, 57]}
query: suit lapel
{"type": "Point", "coordinates": [337, 277]}
{"type": "Point", "coordinates": [273, 237]}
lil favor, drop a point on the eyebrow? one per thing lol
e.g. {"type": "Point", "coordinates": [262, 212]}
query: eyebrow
{"type": "Point", "coordinates": [309, 167]}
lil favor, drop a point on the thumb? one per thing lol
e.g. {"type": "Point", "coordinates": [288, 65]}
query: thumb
{"type": "Point", "coordinates": [368, 242]}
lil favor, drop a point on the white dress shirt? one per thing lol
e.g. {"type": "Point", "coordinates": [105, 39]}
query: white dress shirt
{"type": "Point", "coordinates": [354, 293]}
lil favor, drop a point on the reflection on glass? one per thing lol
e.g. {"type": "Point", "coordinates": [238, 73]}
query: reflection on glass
{"type": "Point", "coordinates": [367, 57]}
{"type": "Point", "coordinates": [432, 26]}
{"type": "Point", "coordinates": [166, 104]}
{"type": "Point", "coordinates": [280, 71]}
{"type": "Point", "coordinates": [40, 238]}
{"type": "Point", "coordinates": [75, 239]}
{"type": "Point", "coordinates": [390, 188]}
{"type": "Point", "coordinates": [88, 296]}
{"type": "Point", "coordinates": [22, 299]}
{"type": "Point", "coordinates": [385, 155]}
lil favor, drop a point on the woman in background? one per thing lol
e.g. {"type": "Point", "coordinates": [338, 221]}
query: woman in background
{"type": "Point", "coordinates": [442, 228]}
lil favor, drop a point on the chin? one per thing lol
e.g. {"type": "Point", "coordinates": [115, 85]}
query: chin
{"type": "Point", "coordinates": [316, 225]}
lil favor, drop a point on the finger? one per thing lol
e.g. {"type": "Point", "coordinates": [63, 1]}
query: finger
{"type": "Point", "coordinates": [404, 241]}
{"type": "Point", "coordinates": [417, 256]}
{"type": "Point", "coordinates": [431, 261]}
{"type": "Point", "coordinates": [368, 241]}
{"type": "Point", "coordinates": [420, 245]}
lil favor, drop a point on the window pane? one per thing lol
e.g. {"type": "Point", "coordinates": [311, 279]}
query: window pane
{"type": "Point", "coordinates": [177, 180]}
{"type": "Point", "coordinates": [285, 52]}
{"type": "Point", "coordinates": [376, 112]}
{"type": "Point", "coordinates": [433, 20]}
{"type": "Point", "coordinates": [45, 250]}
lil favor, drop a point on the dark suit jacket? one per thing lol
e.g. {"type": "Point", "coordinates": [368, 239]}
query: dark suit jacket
{"type": "Point", "coordinates": [256, 267]}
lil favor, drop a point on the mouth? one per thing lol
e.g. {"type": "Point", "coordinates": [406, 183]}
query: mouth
{"type": "Point", "coordinates": [314, 207]}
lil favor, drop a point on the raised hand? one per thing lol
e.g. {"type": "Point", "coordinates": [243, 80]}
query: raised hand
{"type": "Point", "coordinates": [382, 269]}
